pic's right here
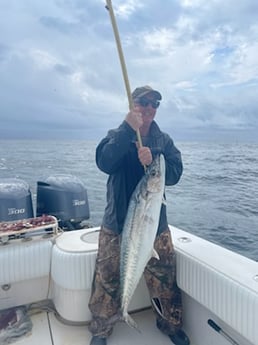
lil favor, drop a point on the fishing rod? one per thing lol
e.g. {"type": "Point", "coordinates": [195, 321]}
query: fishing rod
{"type": "Point", "coordinates": [122, 62]}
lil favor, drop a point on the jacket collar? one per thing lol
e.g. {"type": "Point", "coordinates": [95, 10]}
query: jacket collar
{"type": "Point", "coordinates": [154, 129]}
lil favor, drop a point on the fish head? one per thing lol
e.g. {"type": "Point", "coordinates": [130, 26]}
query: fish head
{"type": "Point", "coordinates": [155, 175]}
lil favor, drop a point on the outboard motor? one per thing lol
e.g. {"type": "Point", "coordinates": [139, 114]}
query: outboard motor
{"type": "Point", "coordinates": [15, 200]}
{"type": "Point", "coordinates": [65, 197]}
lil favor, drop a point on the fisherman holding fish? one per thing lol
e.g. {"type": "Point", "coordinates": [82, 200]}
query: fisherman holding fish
{"type": "Point", "coordinates": [134, 211]}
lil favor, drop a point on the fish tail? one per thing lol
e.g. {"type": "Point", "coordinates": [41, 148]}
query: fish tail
{"type": "Point", "coordinates": [130, 321]}
{"type": "Point", "coordinates": [123, 317]}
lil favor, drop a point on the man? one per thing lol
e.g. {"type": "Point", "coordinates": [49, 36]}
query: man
{"type": "Point", "coordinates": [121, 157]}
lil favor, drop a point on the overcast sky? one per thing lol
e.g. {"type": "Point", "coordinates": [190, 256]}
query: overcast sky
{"type": "Point", "coordinates": [60, 75]}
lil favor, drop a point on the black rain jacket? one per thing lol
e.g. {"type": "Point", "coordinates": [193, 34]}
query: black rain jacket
{"type": "Point", "coordinates": [117, 156]}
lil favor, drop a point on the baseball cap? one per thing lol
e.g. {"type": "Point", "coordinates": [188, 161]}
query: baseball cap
{"type": "Point", "coordinates": [144, 90]}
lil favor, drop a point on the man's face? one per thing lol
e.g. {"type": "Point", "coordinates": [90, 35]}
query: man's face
{"type": "Point", "coordinates": [148, 105]}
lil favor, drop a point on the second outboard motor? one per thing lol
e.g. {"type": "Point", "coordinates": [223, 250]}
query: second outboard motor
{"type": "Point", "coordinates": [15, 200]}
{"type": "Point", "coordinates": [65, 197]}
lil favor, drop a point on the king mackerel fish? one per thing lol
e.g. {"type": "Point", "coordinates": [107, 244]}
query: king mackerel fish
{"type": "Point", "coordinates": [139, 232]}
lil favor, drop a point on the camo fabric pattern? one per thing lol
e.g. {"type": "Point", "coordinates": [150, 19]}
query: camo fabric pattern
{"type": "Point", "coordinates": [160, 276]}
{"type": "Point", "coordinates": [105, 294]}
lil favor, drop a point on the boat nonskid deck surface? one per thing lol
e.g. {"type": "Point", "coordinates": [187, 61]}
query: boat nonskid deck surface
{"type": "Point", "coordinates": [49, 330]}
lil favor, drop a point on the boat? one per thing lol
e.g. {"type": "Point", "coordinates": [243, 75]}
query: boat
{"type": "Point", "coordinates": [47, 263]}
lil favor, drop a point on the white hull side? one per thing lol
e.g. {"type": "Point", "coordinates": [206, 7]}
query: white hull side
{"type": "Point", "coordinates": [216, 283]}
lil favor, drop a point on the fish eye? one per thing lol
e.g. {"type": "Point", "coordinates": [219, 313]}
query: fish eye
{"type": "Point", "coordinates": [152, 172]}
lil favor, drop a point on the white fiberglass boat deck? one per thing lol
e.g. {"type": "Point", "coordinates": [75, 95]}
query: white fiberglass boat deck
{"type": "Point", "coordinates": [48, 330]}
{"type": "Point", "coordinates": [217, 285]}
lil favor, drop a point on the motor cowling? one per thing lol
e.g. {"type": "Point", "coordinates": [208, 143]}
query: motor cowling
{"type": "Point", "coordinates": [65, 197]}
{"type": "Point", "coordinates": [15, 200]}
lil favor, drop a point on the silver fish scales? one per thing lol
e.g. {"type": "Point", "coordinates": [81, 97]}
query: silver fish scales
{"type": "Point", "coordinates": [139, 232]}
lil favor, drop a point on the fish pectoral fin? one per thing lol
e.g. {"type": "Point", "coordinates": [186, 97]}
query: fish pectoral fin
{"type": "Point", "coordinates": [164, 201]}
{"type": "Point", "coordinates": [155, 254]}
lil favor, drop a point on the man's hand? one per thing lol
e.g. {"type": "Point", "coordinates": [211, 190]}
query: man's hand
{"type": "Point", "coordinates": [134, 118]}
{"type": "Point", "coordinates": [145, 155]}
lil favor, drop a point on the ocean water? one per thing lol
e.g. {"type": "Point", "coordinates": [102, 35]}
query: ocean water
{"type": "Point", "coordinates": [216, 198]}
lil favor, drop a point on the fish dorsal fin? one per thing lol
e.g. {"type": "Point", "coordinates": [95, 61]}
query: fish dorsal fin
{"type": "Point", "coordinates": [155, 254]}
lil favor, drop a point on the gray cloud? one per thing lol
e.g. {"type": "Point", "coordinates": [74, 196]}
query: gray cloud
{"type": "Point", "coordinates": [60, 71]}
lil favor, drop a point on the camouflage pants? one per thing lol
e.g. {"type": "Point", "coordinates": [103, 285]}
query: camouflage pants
{"type": "Point", "coordinates": [160, 276]}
